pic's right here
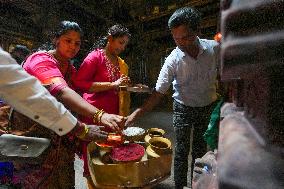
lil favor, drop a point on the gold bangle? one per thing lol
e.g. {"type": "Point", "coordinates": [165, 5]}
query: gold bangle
{"type": "Point", "coordinates": [84, 132]}
{"type": "Point", "coordinates": [100, 116]}
{"type": "Point", "coordinates": [97, 116]}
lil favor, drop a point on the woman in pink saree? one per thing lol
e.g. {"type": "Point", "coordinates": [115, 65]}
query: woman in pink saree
{"type": "Point", "coordinates": [54, 70]}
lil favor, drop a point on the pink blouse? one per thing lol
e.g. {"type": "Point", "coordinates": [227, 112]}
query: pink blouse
{"type": "Point", "coordinates": [97, 68]}
{"type": "Point", "coordinates": [47, 69]}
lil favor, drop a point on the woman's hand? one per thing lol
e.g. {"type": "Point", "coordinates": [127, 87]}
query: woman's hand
{"type": "Point", "coordinates": [123, 80]}
{"type": "Point", "coordinates": [112, 121]}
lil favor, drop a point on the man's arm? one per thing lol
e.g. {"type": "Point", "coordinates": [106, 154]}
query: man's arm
{"type": "Point", "coordinates": [163, 83]}
{"type": "Point", "coordinates": [28, 96]}
{"type": "Point", "coordinates": [148, 105]}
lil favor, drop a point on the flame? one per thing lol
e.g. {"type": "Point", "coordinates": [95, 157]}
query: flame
{"type": "Point", "coordinates": [218, 37]}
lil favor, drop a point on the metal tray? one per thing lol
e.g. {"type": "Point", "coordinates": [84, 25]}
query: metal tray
{"type": "Point", "coordinates": [136, 89]}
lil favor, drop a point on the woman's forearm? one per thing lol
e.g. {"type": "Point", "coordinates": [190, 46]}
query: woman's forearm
{"type": "Point", "coordinates": [76, 103]}
{"type": "Point", "coordinates": [102, 86]}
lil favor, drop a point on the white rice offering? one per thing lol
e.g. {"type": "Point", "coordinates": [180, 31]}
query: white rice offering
{"type": "Point", "coordinates": [133, 131]}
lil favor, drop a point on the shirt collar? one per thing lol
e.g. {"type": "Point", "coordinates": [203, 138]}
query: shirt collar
{"type": "Point", "coordinates": [202, 48]}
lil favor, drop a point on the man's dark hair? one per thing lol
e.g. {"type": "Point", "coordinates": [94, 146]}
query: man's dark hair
{"type": "Point", "coordinates": [21, 49]}
{"type": "Point", "coordinates": [185, 16]}
{"type": "Point", "coordinates": [19, 53]}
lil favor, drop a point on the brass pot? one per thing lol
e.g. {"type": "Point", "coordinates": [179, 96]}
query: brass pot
{"type": "Point", "coordinates": [160, 145]}
{"type": "Point", "coordinates": [156, 132]}
{"type": "Point", "coordinates": [153, 132]}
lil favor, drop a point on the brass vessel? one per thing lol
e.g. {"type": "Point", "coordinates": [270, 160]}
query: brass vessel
{"type": "Point", "coordinates": [142, 174]}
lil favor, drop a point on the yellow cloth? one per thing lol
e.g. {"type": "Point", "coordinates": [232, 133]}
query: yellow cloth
{"type": "Point", "coordinates": [124, 96]}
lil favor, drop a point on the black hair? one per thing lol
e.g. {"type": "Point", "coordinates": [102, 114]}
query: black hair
{"type": "Point", "coordinates": [63, 27]}
{"type": "Point", "coordinates": [185, 16]}
{"type": "Point", "coordinates": [66, 26]}
{"type": "Point", "coordinates": [21, 49]}
{"type": "Point", "coordinates": [20, 52]}
{"type": "Point", "coordinates": [115, 31]}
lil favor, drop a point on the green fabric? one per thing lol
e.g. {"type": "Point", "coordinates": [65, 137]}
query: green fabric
{"type": "Point", "coordinates": [211, 134]}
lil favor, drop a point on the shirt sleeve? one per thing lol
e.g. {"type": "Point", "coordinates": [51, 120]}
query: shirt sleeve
{"type": "Point", "coordinates": [166, 76]}
{"type": "Point", "coordinates": [84, 78]}
{"type": "Point", "coordinates": [26, 94]}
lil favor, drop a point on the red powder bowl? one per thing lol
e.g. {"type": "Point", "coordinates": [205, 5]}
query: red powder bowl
{"type": "Point", "coordinates": [127, 153]}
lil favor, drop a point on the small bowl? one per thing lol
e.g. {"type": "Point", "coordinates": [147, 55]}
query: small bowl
{"type": "Point", "coordinates": [104, 146]}
{"type": "Point", "coordinates": [160, 145]}
{"type": "Point", "coordinates": [156, 132]}
{"type": "Point", "coordinates": [113, 140]}
{"type": "Point", "coordinates": [153, 132]}
{"type": "Point", "coordinates": [136, 137]}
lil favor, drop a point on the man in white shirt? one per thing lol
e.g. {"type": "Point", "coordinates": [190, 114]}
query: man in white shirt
{"type": "Point", "coordinates": [192, 69]}
{"type": "Point", "coordinates": [28, 96]}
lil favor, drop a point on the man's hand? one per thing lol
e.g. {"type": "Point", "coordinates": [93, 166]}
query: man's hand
{"type": "Point", "coordinates": [95, 133]}
{"type": "Point", "coordinates": [204, 165]}
{"type": "Point", "coordinates": [88, 132]}
{"type": "Point", "coordinates": [132, 117]}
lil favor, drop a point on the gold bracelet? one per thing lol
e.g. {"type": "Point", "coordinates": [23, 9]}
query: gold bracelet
{"type": "Point", "coordinates": [100, 116]}
{"type": "Point", "coordinates": [97, 116]}
{"type": "Point", "coordinates": [84, 132]}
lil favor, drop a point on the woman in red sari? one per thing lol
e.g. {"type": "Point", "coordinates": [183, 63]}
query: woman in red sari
{"type": "Point", "coordinates": [54, 70]}
{"type": "Point", "coordinates": [101, 74]}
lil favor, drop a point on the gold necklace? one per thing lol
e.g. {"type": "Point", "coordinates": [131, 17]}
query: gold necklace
{"type": "Point", "coordinates": [61, 64]}
{"type": "Point", "coordinates": [112, 58]}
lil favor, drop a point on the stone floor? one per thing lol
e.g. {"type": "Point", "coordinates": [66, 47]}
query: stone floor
{"type": "Point", "coordinates": [161, 120]}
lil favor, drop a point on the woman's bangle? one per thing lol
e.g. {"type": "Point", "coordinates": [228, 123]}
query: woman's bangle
{"type": "Point", "coordinates": [100, 116]}
{"type": "Point", "coordinates": [83, 134]}
{"type": "Point", "coordinates": [97, 116]}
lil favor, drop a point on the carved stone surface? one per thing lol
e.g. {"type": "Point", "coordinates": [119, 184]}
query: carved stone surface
{"type": "Point", "coordinates": [245, 160]}
{"type": "Point", "coordinates": [251, 142]}
{"type": "Point", "coordinates": [253, 62]}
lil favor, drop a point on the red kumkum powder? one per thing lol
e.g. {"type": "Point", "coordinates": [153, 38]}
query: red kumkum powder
{"type": "Point", "coordinates": [127, 152]}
